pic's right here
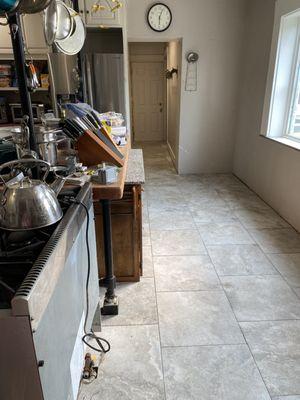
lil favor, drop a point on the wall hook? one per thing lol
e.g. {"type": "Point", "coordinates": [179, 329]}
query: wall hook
{"type": "Point", "coordinates": [170, 73]}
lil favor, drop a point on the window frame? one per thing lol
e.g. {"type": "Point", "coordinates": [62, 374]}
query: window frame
{"type": "Point", "coordinates": [284, 68]}
{"type": "Point", "coordinates": [294, 88]}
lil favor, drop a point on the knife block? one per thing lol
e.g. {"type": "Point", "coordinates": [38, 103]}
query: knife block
{"type": "Point", "coordinates": [93, 151]}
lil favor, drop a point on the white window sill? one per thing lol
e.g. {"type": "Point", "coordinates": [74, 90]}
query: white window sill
{"type": "Point", "coordinates": [294, 144]}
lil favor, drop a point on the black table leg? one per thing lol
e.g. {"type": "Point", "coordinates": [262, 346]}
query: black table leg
{"type": "Point", "coordinates": [20, 62]}
{"type": "Point", "coordinates": [111, 304]}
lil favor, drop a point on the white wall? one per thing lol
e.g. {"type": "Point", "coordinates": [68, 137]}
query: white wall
{"type": "Point", "coordinates": [174, 59]}
{"type": "Point", "coordinates": [214, 29]}
{"type": "Point", "coordinates": [269, 168]}
{"type": "Point", "coordinates": [126, 65]}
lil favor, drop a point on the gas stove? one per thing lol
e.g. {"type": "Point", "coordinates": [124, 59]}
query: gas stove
{"type": "Point", "coordinates": [20, 250]}
{"type": "Point", "coordinates": [49, 293]}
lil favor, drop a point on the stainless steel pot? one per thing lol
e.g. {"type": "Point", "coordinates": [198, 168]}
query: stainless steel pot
{"type": "Point", "coordinates": [28, 203]}
{"type": "Point", "coordinates": [32, 7]}
{"type": "Point", "coordinates": [20, 137]}
{"type": "Point", "coordinates": [47, 141]}
{"type": "Point", "coordinates": [23, 6]}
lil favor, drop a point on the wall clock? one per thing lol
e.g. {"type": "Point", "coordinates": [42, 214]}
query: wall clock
{"type": "Point", "coordinates": [159, 17]}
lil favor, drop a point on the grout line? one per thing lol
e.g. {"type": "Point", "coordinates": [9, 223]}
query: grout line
{"type": "Point", "coordinates": [157, 315]}
{"type": "Point", "coordinates": [283, 276]}
{"type": "Point", "coordinates": [191, 290]}
{"type": "Point", "coordinates": [241, 330]}
{"type": "Point", "coordinates": [124, 325]}
{"type": "Point", "coordinates": [269, 320]}
{"type": "Point", "coordinates": [285, 396]}
{"type": "Point", "coordinates": [206, 345]}
{"type": "Point", "coordinates": [133, 325]}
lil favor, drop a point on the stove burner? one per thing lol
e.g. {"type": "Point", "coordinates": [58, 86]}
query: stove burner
{"type": "Point", "coordinates": [19, 251]}
{"type": "Point", "coordinates": [19, 239]}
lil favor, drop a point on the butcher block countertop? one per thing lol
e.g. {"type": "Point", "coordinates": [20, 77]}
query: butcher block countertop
{"type": "Point", "coordinates": [131, 173]}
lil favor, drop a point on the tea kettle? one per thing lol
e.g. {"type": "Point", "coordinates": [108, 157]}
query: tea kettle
{"type": "Point", "coordinates": [27, 203]}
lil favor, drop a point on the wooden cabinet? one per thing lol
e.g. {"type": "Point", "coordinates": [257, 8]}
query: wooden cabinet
{"type": "Point", "coordinates": [33, 32]}
{"type": "Point", "coordinates": [104, 17]}
{"type": "Point", "coordinates": [127, 235]}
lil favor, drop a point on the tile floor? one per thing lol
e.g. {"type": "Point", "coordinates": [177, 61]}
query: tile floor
{"type": "Point", "coordinates": [217, 314]}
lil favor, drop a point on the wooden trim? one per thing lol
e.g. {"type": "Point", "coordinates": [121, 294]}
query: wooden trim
{"type": "Point", "coordinates": [92, 151]}
{"type": "Point", "coordinates": [115, 190]}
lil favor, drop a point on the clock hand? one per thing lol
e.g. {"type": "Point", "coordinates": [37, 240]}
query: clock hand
{"type": "Point", "coordinates": [159, 18]}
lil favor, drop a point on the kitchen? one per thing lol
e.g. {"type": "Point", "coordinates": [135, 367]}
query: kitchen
{"type": "Point", "coordinates": [141, 155]}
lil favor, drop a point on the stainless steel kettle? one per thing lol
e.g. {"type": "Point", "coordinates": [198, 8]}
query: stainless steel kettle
{"type": "Point", "coordinates": [27, 203]}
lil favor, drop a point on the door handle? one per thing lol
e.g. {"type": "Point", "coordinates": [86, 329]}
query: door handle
{"type": "Point", "coordinates": [161, 110]}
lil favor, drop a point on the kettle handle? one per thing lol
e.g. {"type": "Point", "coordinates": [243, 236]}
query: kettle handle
{"type": "Point", "coordinates": [27, 161]}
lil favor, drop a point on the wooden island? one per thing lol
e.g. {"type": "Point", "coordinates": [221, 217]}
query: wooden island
{"type": "Point", "coordinates": [126, 218]}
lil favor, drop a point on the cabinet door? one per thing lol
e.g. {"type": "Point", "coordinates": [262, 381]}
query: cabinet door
{"type": "Point", "coordinates": [104, 17]}
{"type": "Point", "coordinates": [33, 27]}
{"type": "Point", "coordinates": [5, 40]}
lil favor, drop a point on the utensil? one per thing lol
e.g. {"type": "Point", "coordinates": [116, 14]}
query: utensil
{"type": "Point", "coordinates": [33, 82]}
{"type": "Point", "coordinates": [29, 204]}
{"type": "Point", "coordinates": [74, 43]}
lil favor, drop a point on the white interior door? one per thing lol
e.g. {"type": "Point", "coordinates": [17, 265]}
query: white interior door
{"type": "Point", "coordinates": [148, 86]}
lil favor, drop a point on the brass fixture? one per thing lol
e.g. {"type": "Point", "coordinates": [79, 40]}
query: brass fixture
{"type": "Point", "coordinates": [170, 73]}
{"type": "Point", "coordinates": [110, 5]}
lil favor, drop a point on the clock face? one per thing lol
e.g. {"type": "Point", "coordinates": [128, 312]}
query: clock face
{"type": "Point", "coordinates": [159, 17]}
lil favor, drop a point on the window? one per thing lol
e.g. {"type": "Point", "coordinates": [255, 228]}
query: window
{"type": "Point", "coordinates": [281, 119]}
{"type": "Point", "coordinates": [293, 125]}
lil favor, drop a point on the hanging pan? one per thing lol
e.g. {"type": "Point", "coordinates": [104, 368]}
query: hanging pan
{"type": "Point", "coordinates": [74, 43]}
{"type": "Point", "coordinates": [58, 22]}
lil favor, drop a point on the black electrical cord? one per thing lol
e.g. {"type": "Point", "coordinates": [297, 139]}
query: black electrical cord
{"type": "Point", "coordinates": [90, 335]}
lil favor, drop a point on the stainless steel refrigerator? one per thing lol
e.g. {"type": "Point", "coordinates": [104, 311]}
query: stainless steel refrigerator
{"type": "Point", "coordinates": [103, 81]}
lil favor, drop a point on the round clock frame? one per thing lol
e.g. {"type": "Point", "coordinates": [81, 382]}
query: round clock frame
{"type": "Point", "coordinates": [148, 15]}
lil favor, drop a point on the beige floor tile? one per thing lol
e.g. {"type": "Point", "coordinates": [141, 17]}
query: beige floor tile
{"type": "Point", "coordinates": [247, 259]}
{"type": "Point", "coordinates": [137, 304]}
{"type": "Point", "coordinates": [260, 218]}
{"type": "Point", "coordinates": [212, 373]}
{"type": "Point", "coordinates": [184, 273]}
{"type": "Point", "coordinates": [261, 298]}
{"type": "Point", "coordinates": [224, 233]}
{"type": "Point", "coordinates": [132, 370]}
{"type": "Point", "coordinates": [289, 267]}
{"type": "Point", "coordinates": [212, 213]}
{"type": "Point", "coordinates": [196, 318]}
{"type": "Point", "coordinates": [177, 243]}
{"type": "Point", "coordinates": [148, 271]}
{"type": "Point", "coordinates": [171, 220]}
{"type": "Point", "coordinates": [285, 240]}
{"type": "Point", "coordinates": [276, 349]}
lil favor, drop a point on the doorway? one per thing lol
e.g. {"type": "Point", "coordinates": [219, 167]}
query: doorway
{"type": "Point", "coordinates": [148, 63]}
